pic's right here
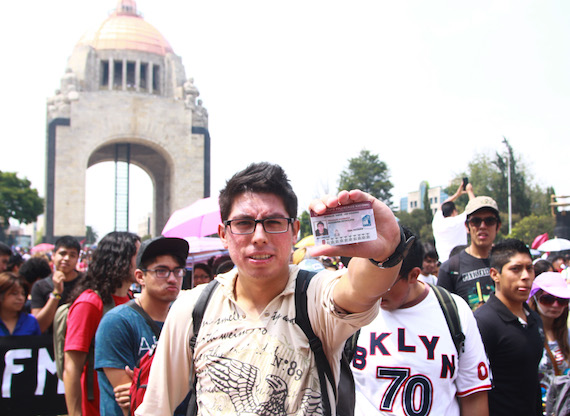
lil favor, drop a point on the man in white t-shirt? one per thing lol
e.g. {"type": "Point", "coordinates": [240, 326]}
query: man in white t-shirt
{"type": "Point", "coordinates": [428, 273]}
{"type": "Point", "coordinates": [449, 226]}
{"type": "Point", "coordinates": [406, 362]}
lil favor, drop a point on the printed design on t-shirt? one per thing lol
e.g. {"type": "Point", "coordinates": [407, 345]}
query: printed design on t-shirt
{"type": "Point", "coordinates": [239, 381]}
{"type": "Point", "coordinates": [479, 286]}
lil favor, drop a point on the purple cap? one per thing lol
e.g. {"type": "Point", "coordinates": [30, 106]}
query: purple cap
{"type": "Point", "coordinates": [551, 282]}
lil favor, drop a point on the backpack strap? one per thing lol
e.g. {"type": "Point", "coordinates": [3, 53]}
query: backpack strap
{"type": "Point", "coordinates": [151, 323]}
{"type": "Point", "coordinates": [302, 319]}
{"type": "Point", "coordinates": [197, 316]}
{"type": "Point", "coordinates": [451, 313]}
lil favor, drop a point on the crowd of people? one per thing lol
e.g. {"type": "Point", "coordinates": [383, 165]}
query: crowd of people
{"type": "Point", "coordinates": [470, 326]}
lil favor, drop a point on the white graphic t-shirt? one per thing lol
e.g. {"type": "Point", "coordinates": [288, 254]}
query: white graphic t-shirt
{"type": "Point", "coordinates": [406, 362]}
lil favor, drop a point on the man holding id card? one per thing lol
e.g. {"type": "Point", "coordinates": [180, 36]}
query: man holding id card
{"type": "Point", "coordinates": [250, 355]}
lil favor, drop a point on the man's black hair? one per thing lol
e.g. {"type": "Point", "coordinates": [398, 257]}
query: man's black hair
{"type": "Point", "coordinates": [502, 252]}
{"type": "Point", "coordinates": [5, 250]}
{"type": "Point", "coordinates": [35, 268]}
{"type": "Point", "coordinates": [67, 241]}
{"type": "Point", "coordinates": [264, 178]}
{"type": "Point", "coordinates": [553, 257]}
{"type": "Point", "coordinates": [447, 208]}
{"type": "Point", "coordinates": [429, 251]}
{"type": "Point", "coordinates": [204, 267]}
{"type": "Point", "coordinates": [542, 266]}
{"type": "Point", "coordinates": [414, 258]}
{"type": "Point", "coordinates": [15, 260]}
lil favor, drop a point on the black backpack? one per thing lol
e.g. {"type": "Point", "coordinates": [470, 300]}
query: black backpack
{"type": "Point", "coordinates": [344, 407]}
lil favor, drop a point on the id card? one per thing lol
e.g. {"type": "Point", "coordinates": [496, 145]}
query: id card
{"type": "Point", "coordinates": [345, 224]}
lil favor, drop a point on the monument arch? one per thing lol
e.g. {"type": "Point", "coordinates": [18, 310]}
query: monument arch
{"type": "Point", "coordinates": [124, 90]}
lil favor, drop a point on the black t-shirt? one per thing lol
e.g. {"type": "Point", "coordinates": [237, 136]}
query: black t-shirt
{"type": "Point", "coordinates": [42, 288]}
{"type": "Point", "coordinates": [463, 280]}
{"type": "Point", "coordinates": [514, 352]}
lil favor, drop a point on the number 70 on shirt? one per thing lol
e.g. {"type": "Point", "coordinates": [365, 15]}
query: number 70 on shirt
{"type": "Point", "coordinates": [417, 391]}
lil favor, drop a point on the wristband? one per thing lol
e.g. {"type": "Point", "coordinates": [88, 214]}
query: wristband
{"type": "Point", "coordinates": [55, 295]}
{"type": "Point", "coordinates": [398, 255]}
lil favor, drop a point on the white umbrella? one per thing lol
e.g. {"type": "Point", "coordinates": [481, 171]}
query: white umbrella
{"type": "Point", "coordinates": [555, 244]}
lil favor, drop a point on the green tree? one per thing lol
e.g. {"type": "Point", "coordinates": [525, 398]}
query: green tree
{"type": "Point", "coordinates": [530, 227]}
{"type": "Point", "coordinates": [305, 220]}
{"type": "Point", "coordinates": [489, 177]}
{"type": "Point", "coordinates": [369, 174]}
{"type": "Point", "coordinates": [427, 205]}
{"type": "Point", "coordinates": [521, 203]}
{"type": "Point", "coordinates": [90, 235]}
{"type": "Point", "coordinates": [540, 200]}
{"type": "Point", "coordinates": [18, 200]}
{"type": "Point", "coordinates": [416, 222]}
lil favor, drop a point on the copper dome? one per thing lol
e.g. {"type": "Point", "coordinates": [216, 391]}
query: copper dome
{"type": "Point", "coordinates": [126, 29]}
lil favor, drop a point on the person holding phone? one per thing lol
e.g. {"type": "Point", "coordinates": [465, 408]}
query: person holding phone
{"type": "Point", "coordinates": [448, 225]}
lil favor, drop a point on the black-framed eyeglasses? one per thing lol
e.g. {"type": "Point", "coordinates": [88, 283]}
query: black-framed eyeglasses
{"type": "Point", "coordinates": [489, 221]}
{"type": "Point", "coordinates": [548, 300]}
{"type": "Point", "coordinates": [270, 225]}
{"type": "Point", "coordinates": [163, 272]}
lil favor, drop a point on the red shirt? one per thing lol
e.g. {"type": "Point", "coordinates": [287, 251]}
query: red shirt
{"type": "Point", "coordinates": [82, 322]}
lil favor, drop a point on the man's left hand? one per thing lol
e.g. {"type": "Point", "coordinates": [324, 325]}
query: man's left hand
{"type": "Point", "coordinates": [387, 229]}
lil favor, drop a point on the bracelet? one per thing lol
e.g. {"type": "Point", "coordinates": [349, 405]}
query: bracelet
{"type": "Point", "coordinates": [55, 295]}
{"type": "Point", "coordinates": [398, 255]}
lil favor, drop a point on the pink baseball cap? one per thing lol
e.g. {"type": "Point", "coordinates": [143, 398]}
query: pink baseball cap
{"type": "Point", "coordinates": [551, 282]}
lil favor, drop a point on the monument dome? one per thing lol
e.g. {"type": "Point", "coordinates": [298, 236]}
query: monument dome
{"type": "Point", "coordinates": [126, 29]}
{"type": "Point", "coordinates": [124, 98]}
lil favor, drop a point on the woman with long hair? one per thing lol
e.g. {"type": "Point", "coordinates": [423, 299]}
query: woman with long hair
{"type": "Point", "coordinates": [106, 284]}
{"type": "Point", "coordinates": [549, 296]}
{"type": "Point", "coordinates": [13, 319]}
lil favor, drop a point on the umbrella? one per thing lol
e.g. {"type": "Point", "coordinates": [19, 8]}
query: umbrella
{"type": "Point", "coordinates": [42, 247]}
{"type": "Point", "coordinates": [306, 242]}
{"type": "Point", "coordinates": [204, 244]}
{"type": "Point", "coordinates": [197, 220]}
{"type": "Point", "coordinates": [539, 240]}
{"type": "Point", "coordinates": [555, 244]}
{"type": "Point", "coordinates": [202, 248]}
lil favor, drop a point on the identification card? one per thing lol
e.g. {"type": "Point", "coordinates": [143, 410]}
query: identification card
{"type": "Point", "coordinates": [345, 224]}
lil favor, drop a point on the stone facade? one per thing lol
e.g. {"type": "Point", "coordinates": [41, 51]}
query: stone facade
{"type": "Point", "coordinates": [124, 96]}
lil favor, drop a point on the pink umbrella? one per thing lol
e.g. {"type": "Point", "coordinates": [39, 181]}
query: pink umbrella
{"type": "Point", "coordinates": [542, 238]}
{"type": "Point", "coordinates": [42, 247]}
{"type": "Point", "coordinates": [197, 220]}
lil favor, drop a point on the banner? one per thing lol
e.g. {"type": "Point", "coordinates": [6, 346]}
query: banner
{"type": "Point", "coordinates": [29, 382]}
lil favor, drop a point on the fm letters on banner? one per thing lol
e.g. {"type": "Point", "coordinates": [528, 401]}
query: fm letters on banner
{"type": "Point", "coordinates": [29, 382]}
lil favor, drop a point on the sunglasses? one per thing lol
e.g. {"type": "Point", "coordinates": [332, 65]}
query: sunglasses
{"type": "Point", "coordinates": [548, 300]}
{"type": "Point", "coordinates": [489, 221]}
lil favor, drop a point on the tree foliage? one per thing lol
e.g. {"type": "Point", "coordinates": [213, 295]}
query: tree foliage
{"type": "Point", "coordinates": [369, 174]}
{"type": "Point", "coordinates": [18, 200]}
{"type": "Point", "coordinates": [530, 227]}
{"type": "Point", "coordinates": [427, 205]}
{"type": "Point", "coordinates": [90, 235]}
{"type": "Point", "coordinates": [489, 176]}
{"type": "Point", "coordinates": [305, 220]}
{"type": "Point", "coordinates": [416, 222]}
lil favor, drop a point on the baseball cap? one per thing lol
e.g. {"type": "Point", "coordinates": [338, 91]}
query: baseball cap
{"type": "Point", "coordinates": [481, 202]}
{"type": "Point", "coordinates": [159, 246]}
{"type": "Point", "coordinates": [551, 282]}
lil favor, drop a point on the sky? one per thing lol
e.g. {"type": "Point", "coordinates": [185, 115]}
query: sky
{"type": "Point", "coordinates": [309, 84]}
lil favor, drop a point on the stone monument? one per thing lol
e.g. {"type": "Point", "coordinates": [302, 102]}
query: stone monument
{"type": "Point", "coordinates": [124, 88]}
